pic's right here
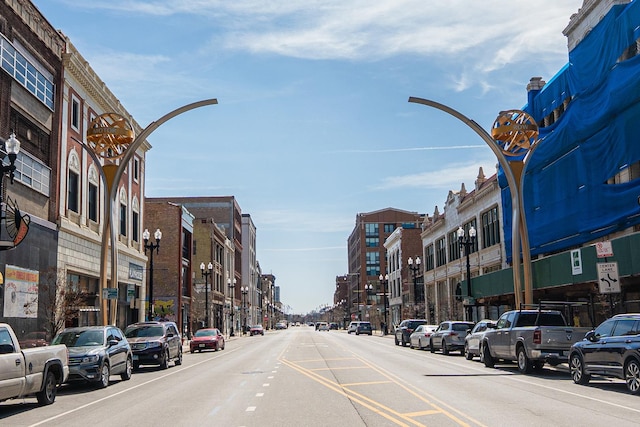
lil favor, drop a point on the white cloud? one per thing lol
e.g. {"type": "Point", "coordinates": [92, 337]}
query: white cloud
{"type": "Point", "coordinates": [450, 177]}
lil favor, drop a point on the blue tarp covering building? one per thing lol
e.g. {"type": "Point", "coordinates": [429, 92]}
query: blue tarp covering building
{"type": "Point", "coordinates": [568, 194]}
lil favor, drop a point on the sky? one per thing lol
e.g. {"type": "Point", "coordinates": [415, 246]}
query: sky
{"type": "Point", "coordinates": [313, 123]}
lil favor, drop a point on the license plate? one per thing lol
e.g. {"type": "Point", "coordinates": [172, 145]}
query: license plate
{"type": "Point", "coordinates": [201, 345]}
{"type": "Point", "coordinates": [135, 357]}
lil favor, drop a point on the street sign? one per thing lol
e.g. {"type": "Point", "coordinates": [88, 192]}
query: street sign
{"type": "Point", "coordinates": [608, 279]}
{"type": "Point", "coordinates": [604, 249]}
{"type": "Point", "coordinates": [110, 293]}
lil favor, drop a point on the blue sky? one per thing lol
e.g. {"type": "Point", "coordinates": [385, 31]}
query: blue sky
{"type": "Point", "coordinates": [313, 124]}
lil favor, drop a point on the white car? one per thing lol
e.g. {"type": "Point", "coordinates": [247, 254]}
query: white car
{"type": "Point", "coordinates": [474, 338]}
{"type": "Point", "coordinates": [323, 326]}
{"type": "Point", "coordinates": [420, 337]}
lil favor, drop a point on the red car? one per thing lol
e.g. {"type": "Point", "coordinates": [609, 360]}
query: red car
{"type": "Point", "coordinates": [207, 339]}
{"type": "Point", "coordinates": [256, 330]}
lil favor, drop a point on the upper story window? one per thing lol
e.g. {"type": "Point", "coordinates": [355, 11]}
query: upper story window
{"type": "Point", "coordinates": [93, 196]}
{"type": "Point", "coordinates": [73, 183]}
{"type": "Point", "coordinates": [389, 228]}
{"type": "Point", "coordinates": [441, 252]}
{"type": "Point", "coordinates": [136, 169]}
{"type": "Point", "coordinates": [490, 228]}
{"type": "Point", "coordinates": [429, 258]}
{"type": "Point", "coordinates": [454, 246]}
{"type": "Point", "coordinates": [372, 242]}
{"type": "Point", "coordinates": [123, 212]}
{"type": "Point", "coordinates": [75, 113]}
{"type": "Point", "coordinates": [135, 220]}
{"type": "Point", "coordinates": [26, 70]}
{"type": "Point", "coordinates": [371, 230]}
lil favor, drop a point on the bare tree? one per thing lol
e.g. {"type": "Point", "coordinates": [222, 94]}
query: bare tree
{"type": "Point", "coordinates": [61, 301]}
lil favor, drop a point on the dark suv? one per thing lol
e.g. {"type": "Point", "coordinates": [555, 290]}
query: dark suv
{"type": "Point", "coordinates": [406, 328]}
{"type": "Point", "coordinates": [154, 343]}
{"type": "Point", "coordinates": [611, 350]}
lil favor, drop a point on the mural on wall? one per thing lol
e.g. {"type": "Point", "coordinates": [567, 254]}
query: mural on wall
{"type": "Point", "coordinates": [165, 308]}
{"type": "Point", "coordinates": [21, 292]}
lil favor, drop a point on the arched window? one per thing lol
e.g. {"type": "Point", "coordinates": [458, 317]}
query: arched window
{"type": "Point", "coordinates": [73, 183]}
{"type": "Point", "coordinates": [135, 219]}
{"type": "Point", "coordinates": [123, 212]}
{"type": "Point", "coordinates": [93, 196]}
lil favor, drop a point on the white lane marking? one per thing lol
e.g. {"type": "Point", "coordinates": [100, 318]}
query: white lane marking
{"type": "Point", "coordinates": [259, 394]}
{"type": "Point", "coordinates": [265, 385]}
{"type": "Point", "coordinates": [251, 409]}
{"type": "Point", "coordinates": [173, 372]}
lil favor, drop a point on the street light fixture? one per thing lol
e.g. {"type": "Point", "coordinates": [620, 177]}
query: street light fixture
{"type": "Point", "coordinates": [232, 286]}
{"type": "Point", "coordinates": [206, 273]}
{"type": "Point", "coordinates": [245, 291]}
{"type": "Point", "coordinates": [468, 242]}
{"type": "Point", "coordinates": [12, 147]}
{"type": "Point", "coordinates": [415, 269]}
{"type": "Point", "coordinates": [384, 281]}
{"type": "Point", "coordinates": [151, 247]}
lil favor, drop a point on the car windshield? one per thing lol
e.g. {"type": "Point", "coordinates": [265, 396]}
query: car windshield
{"type": "Point", "coordinates": [206, 333]}
{"type": "Point", "coordinates": [90, 338]}
{"type": "Point", "coordinates": [144, 331]}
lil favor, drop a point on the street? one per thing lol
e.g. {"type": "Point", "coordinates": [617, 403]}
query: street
{"type": "Point", "coordinates": [302, 377]}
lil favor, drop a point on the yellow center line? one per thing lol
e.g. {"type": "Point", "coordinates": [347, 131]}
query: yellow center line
{"type": "Point", "coordinates": [367, 383]}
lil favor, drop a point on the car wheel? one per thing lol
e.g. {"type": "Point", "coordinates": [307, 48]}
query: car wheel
{"type": "Point", "coordinates": [524, 364]}
{"type": "Point", "coordinates": [164, 363]}
{"type": "Point", "coordinates": [411, 345]}
{"type": "Point", "coordinates": [432, 349]}
{"type": "Point", "coordinates": [576, 368]}
{"type": "Point", "coordinates": [445, 349]}
{"type": "Point", "coordinates": [467, 355]}
{"type": "Point", "coordinates": [192, 351]}
{"type": "Point", "coordinates": [128, 369]}
{"type": "Point", "coordinates": [178, 361]}
{"type": "Point", "coordinates": [47, 395]}
{"type": "Point", "coordinates": [217, 347]}
{"type": "Point", "coordinates": [223, 344]}
{"type": "Point", "coordinates": [395, 339]}
{"type": "Point", "coordinates": [404, 343]}
{"type": "Point", "coordinates": [487, 359]}
{"type": "Point", "coordinates": [105, 373]}
{"type": "Point", "coordinates": [632, 376]}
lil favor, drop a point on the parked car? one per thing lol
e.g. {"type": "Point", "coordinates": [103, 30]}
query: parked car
{"type": "Point", "coordinates": [30, 371]}
{"type": "Point", "coordinates": [352, 327]}
{"type": "Point", "coordinates": [322, 326]}
{"type": "Point", "coordinates": [449, 336]}
{"type": "Point", "coordinates": [405, 329]}
{"type": "Point", "coordinates": [155, 343]}
{"type": "Point", "coordinates": [281, 325]}
{"type": "Point", "coordinates": [611, 350]}
{"type": "Point", "coordinates": [364, 328]}
{"type": "Point", "coordinates": [207, 339]}
{"type": "Point", "coordinates": [333, 325]}
{"type": "Point", "coordinates": [474, 338]}
{"type": "Point", "coordinates": [256, 330]}
{"type": "Point", "coordinates": [420, 337]}
{"type": "Point", "coordinates": [96, 353]}
{"type": "Point", "coordinates": [530, 337]}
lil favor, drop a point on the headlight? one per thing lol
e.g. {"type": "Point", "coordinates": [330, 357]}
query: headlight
{"type": "Point", "coordinates": [153, 344]}
{"type": "Point", "coordinates": [91, 359]}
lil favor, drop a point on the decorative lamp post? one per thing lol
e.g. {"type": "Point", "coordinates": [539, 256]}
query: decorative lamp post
{"type": "Point", "coordinates": [232, 286]}
{"type": "Point", "coordinates": [206, 273]}
{"type": "Point", "coordinates": [384, 281]}
{"type": "Point", "coordinates": [415, 268]}
{"type": "Point", "coordinates": [245, 291]}
{"type": "Point", "coordinates": [12, 147]}
{"type": "Point", "coordinates": [368, 288]}
{"type": "Point", "coordinates": [467, 241]}
{"type": "Point", "coordinates": [151, 247]}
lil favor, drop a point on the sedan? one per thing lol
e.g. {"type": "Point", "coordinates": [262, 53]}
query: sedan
{"type": "Point", "coordinates": [207, 339]}
{"type": "Point", "coordinates": [611, 350]}
{"type": "Point", "coordinates": [474, 338]}
{"type": "Point", "coordinates": [96, 353]}
{"type": "Point", "coordinates": [420, 337]}
{"type": "Point", "coordinates": [449, 336]}
{"type": "Point", "coordinates": [256, 330]}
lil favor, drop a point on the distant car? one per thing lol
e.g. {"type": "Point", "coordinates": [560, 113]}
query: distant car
{"type": "Point", "coordinates": [333, 325]}
{"type": "Point", "coordinates": [420, 337]}
{"type": "Point", "coordinates": [450, 336]}
{"type": "Point", "coordinates": [96, 353]}
{"type": "Point", "coordinates": [474, 338]}
{"type": "Point", "coordinates": [155, 343]}
{"type": "Point", "coordinates": [207, 339]}
{"type": "Point", "coordinates": [611, 350]}
{"type": "Point", "coordinates": [406, 328]}
{"type": "Point", "coordinates": [322, 326]}
{"type": "Point", "coordinates": [34, 339]}
{"type": "Point", "coordinates": [256, 330]}
{"type": "Point", "coordinates": [281, 325]}
{"type": "Point", "coordinates": [364, 328]}
{"type": "Point", "coordinates": [352, 326]}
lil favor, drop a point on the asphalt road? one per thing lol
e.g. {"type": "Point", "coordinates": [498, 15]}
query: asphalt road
{"type": "Point", "coordinates": [301, 377]}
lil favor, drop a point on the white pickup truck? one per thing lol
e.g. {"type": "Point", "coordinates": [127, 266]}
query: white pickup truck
{"type": "Point", "coordinates": [30, 372]}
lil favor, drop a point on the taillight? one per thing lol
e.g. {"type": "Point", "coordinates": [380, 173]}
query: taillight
{"type": "Point", "coordinates": [409, 330]}
{"type": "Point", "coordinates": [454, 334]}
{"type": "Point", "coordinates": [537, 336]}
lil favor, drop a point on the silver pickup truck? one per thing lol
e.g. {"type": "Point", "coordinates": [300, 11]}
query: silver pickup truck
{"type": "Point", "coordinates": [30, 372]}
{"type": "Point", "coordinates": [531, 337]}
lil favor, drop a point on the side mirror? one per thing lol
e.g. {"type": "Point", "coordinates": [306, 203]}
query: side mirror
{"type": "Point", "coordinates": [591, 336]}
{"type": "Point", "coordinates": [111, 343]}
